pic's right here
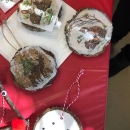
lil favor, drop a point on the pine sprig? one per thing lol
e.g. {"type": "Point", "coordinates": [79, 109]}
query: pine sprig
{"type": "Point", "coordinates": [48, 16]}
{"type": "Point", "coordinates": [27, 65]}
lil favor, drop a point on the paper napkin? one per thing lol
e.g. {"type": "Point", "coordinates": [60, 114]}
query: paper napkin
{"type": "Point", "coordinates": [6, 5]}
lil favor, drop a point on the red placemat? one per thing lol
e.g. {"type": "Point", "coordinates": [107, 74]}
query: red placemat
{"type": "Point", "coordinates": [90, 108]}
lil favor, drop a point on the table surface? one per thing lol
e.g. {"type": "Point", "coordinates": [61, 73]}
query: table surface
{"type": "Point", "coordinates": [90, 107]}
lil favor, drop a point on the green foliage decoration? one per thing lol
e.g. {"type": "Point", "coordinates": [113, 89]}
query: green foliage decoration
{"type": "Point", "coordinates": [27, 65]}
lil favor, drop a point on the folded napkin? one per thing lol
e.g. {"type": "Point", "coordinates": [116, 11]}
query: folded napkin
{"type": "Point", "coordinates": [54, 41]}
{"type": "Point", "coordinates": [5, 5]}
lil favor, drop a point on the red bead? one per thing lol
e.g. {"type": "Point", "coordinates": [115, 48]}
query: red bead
{"type": "Point", "coordinates": [18, 124]}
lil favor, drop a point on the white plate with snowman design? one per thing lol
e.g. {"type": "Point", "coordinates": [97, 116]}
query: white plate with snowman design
{"type": "Point", "coordinates": [88, 32]}
{"type": "Point", "coordinates": [51, 120]}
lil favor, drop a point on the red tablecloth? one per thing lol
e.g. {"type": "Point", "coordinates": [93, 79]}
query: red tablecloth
{"type": "Point", "coordinates": [90, 107]}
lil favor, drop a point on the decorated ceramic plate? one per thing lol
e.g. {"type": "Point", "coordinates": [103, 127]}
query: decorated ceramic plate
{"type": "Point", "coordinates": [33, 68]}
{"type": "Point", "coordinates": [51, 120]}
{"type": "Point", "coordinates": [88, 32]}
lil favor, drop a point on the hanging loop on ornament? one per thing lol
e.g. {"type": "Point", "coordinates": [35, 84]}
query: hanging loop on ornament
{"type": "Point", "coordinates": [27, 123]}
{"type": "Point", "coordinates": [78, 84]}
{"type": "Point", "coordinates": [3, 93]}
{"type": "Point", "coordinates": [3, 112]}
{"type": "Point", "coordinates": [4, 22]}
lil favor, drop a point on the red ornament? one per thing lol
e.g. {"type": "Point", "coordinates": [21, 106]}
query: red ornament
{"type": "Point", "coordinates": [18, 124]}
